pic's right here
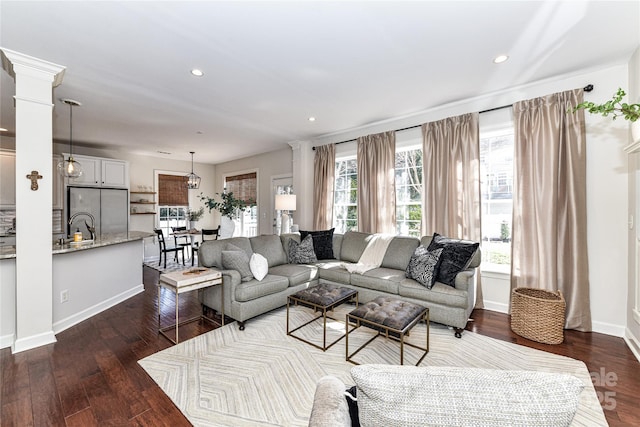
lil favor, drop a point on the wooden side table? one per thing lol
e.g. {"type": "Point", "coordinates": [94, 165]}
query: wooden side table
{"type": "Point", "coordinates": [184, 281]}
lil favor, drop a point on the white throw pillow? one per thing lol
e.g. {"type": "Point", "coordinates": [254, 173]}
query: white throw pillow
{"type": "Point", "coordinates": [259, 266]}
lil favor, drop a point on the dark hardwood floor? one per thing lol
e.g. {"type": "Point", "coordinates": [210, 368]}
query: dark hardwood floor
{"type": "Point", "coordinates": [90, 376]}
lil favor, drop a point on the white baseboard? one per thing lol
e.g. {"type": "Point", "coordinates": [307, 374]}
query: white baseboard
{"type": "Point", "coordinates": [92, 311]}
{"type": "Point", "coordinates": [608, 329]}
{"type": "Point", "coordinates": [7, 340]}
{"type": "Point", "coordinates": [496, 306]}
{"type": "Point", "coordinates": [22, 344]}
{"type": "Point", "coordinates": [633, 343]}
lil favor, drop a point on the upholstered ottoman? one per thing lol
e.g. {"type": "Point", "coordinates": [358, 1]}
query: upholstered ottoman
{"type": "Point", "coordinates": [392, 318]}
{"type": "Point", "coordinates": [324, 297]}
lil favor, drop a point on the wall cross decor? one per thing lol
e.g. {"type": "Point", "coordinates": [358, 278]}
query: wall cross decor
{"type": "Point", "coordinates": [34, 177]}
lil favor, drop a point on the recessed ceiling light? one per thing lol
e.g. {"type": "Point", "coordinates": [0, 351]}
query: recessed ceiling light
{"type": "Point", "coordinates": [312, 119]}
{"type": "Point", "coordinates": [197, 73]}
{"type": "Point", "coordinates": [500, 59]}
{"type": "Point", "coordinates": [3, 130]}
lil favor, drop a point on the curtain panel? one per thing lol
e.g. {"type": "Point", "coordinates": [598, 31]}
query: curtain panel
{"type": "Point", "coordinates": [324, 168]}
{"type": "Point", "coordinates": [549, 239]}
{"type": "Point", "coordinates": [376, 159]}
{"type": "Point", "coordinates": [451, 167]}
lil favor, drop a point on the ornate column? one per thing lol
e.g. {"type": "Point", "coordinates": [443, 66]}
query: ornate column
{"type": "Point", "coordinates": [34, 79]}
{"type": "Point", "coordinates": [302, 169]}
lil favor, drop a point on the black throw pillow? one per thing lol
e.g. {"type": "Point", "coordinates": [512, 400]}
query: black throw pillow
{"type": "Point", "coordinates": [353, 406]}
{"type": "Point", "coordinates": [322, 242]}
{"type": "Point", "coordinates": [456, 256]}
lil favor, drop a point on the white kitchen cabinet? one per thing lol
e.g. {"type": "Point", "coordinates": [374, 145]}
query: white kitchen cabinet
{"type": "Point", "coordinates": [101, 172]}
{"type": "Point", "coordinates": [7, 179]}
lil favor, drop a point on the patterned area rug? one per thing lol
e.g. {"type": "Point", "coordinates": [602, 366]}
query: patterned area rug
{"type": "Point", "coordinates": [262, 377]}
{"type": "Point", "coordinates": [172, 265]}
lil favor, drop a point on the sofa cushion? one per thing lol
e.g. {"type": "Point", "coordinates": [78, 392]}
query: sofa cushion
{"type": "Point", "coordinates": [253, 289]}
{"type": "Point", "coordinates": [399, 252]}
{"type": "Point", "coordinates": [456, 256]}
{"type": "Point", "coordinates": [379, 279]}
{"type": "Point", "coordinates": [439, 293]}
{"type": "Point", "coordinates": [303, 252]}
{"type": "Point", "coordinates": [322, 242]}
{"type": "Point", "coordinates": [330, 408]}
{"type": "Point", "coordinates": [333, 271]}
{"type": "Point", "coordinates": [285, 239]}
{"type": "Point", "coordinates": [210, 252]}
{"type": "Point", "coordinates": [353, 244]}
{"type": "Point", "coordinates": [462, 396]}
{"type": "Point", "coordinates": [423, 266]}
{"type": "Point", "coordinates": [237, 260]}
{"type": "Point", "coordinates": [259, 266]}
{"type": "Point", "coordinates": [270, 247]}
{"type": "Point", "coordinates": [296, 273]}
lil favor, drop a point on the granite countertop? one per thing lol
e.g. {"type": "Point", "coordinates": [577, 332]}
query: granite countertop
{"type": "Point", "coordinates": [104, 240]}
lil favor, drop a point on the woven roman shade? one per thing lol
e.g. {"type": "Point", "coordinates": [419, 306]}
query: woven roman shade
{"type": "Point", "coordinates": [172, 190]}
{"type": "Point", "coordinates": [243, 187]}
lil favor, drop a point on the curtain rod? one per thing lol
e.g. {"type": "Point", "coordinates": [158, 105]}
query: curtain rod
{"type": "Point", "coordinates": [587, 88]}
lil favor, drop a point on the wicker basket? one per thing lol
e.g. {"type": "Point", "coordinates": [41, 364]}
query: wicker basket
{"type": "Point", "coordinates": [538, 315]}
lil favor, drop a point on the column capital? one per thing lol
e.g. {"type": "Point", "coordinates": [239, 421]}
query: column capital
{"type": "Point", "coordinates": [34, 67]}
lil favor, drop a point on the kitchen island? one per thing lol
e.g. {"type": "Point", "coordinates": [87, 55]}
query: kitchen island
{"type": "Point", "coordinates": [87, 279]}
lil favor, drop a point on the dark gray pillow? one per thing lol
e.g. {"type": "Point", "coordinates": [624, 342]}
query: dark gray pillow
{"type": "Point", "coordinates": [239, 261]}
{"type": "Point", "coordinates": [302, 253]}
{"type": "Point", "coordinates": [423, 266]}
{"type": "Point", "coordinates": [456, 256]}
{"type": "Point", "coordinates": [322, 242]}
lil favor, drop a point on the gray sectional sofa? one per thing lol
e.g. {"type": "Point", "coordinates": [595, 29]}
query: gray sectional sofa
{"type": "Point", "coordinates": [243, 300]}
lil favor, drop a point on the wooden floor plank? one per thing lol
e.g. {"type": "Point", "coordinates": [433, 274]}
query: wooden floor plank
{"type": "Point", "coordinates": [93, 374]}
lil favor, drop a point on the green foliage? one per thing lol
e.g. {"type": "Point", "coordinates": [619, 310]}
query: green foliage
{"type": "Point", "coordinates": [228, 205]}
{"type": "Point", "coordinates": [195, 215]}
{"type": "Point", "coordinates": [505, 231]}
{"type": "Point", "coordinates": [614, 106]}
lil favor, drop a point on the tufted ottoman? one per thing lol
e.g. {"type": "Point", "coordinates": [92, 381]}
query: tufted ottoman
{"type": "Point", "coordinates": [392, 318]}
{"type": "Point", "coordinates": [323, 298]}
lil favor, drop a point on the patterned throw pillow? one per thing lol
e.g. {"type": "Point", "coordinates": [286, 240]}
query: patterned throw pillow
{"type": "Point", "coordinates": [322, 242]}
{"type": "Point", "coordinates": [302, 253]}
{"type": "Point", "coordinates": [456, 256]}
{"type": "Point", "coordinates": [239, 261]}
{"type": "Point", "coordinates": [423, 266]}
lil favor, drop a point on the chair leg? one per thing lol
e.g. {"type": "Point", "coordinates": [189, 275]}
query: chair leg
{"type": "Point", "coordinates": [165, 260]}
{"type": "Point", "coordinates": [182, 255]}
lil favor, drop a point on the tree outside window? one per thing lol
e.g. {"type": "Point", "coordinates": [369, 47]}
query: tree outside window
{"type": "Point", "coordinates": [345, 205]}
{"type": "Point", "coordinates": [409, 192]}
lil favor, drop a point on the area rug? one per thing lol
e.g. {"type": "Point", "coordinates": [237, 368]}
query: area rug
{"type": "Point", "coordinates": [172, 265]}
{"type": "Point", "coordinates": [262, 377]}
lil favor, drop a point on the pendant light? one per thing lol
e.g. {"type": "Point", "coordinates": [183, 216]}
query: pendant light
{"type": "Point", "coordinates": [193, 180]}
{"type": "Point", "coordinates": [70, 168]}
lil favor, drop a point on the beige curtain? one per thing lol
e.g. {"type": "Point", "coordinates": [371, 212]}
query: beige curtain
{"type": "Point", "coordinates": [451, 164]}
{"type": "Point", "coordinates": [376, 183]}
{"type": "Point", "coordinates": [324, 167]}
{"type": "Point", "coordinates": [549, 239]}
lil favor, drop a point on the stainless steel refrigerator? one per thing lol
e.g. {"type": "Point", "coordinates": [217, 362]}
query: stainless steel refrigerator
{"type": "Point", "coordinates": [109, 207]}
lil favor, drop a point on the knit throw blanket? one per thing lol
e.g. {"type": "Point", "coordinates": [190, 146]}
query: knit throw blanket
{"type": "Point", "coordinates": [372, 255]}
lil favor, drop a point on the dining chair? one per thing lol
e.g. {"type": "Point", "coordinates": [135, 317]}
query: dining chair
{"type": "Point", "coordinates": [164, 249]}
{"type": "Point", "coordinates": [183, 240]}
{"type": "Point", "coordinates": [205, 232]}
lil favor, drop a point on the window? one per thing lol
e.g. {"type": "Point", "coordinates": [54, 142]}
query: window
{"type": "Point", "coordinates": [173, 202]}
{"type": "Point", "coordinates": [345, 204]}
{"type": "Point", "coordinates": [409, 192]}
{"type": "Point", "coordinates": [496, 175]}
{"type": "Point", "coordinates": [244, 187]}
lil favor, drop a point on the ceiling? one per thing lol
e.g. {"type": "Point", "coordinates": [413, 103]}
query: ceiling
{"type": "Point", "coordinates": [269, 66]}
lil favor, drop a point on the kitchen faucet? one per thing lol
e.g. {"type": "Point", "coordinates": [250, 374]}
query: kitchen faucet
{"type": "Point", "coordinates": [92, 228]}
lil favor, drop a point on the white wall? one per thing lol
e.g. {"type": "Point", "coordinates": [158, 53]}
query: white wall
{"type": "Point", "coordinates": [606, 183]}
{"type": "Point", "coordinates": [269, 164]}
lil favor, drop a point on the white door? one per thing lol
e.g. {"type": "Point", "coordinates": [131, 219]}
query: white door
{"type": "Point", "coordinates": [280, 185]}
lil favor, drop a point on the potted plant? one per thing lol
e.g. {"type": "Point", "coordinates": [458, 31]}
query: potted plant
{"type": "Point", "coordinates": [194, 216]}
{"type": "Point", "coordinates": [614, 106]}
{"type": "Point", "coordinates": [229, 207]}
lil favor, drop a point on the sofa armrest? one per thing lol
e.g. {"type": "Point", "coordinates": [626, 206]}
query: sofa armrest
{"type": "Point", "coordinates": [464, 279]}
{"type": "Point", "coordinates": [330, 407]}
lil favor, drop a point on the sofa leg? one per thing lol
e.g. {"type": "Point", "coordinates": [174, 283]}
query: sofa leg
{"type": "Point", "coordinates": [458, 332]}
{"type": "Point", "coordinates": [241, 326]}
